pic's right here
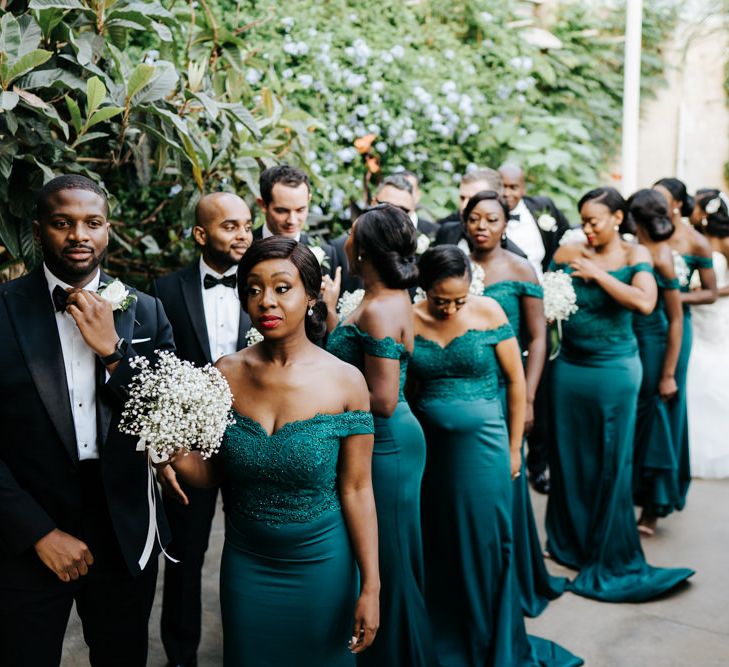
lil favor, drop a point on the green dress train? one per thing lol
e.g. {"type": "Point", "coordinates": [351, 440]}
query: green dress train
{"type": "Point", "coordinates": [288, 577]}
{"type": "Point", "coordinates": [537, 587]}
{"type": "Point", "coordinates": [678, 410]}
{"type": "Point", "coordinates": [471, 589]}
{"type": "Point", "coordinates": [398, 461]}
{"type": "Point", "coordinates": [590, 519]}
{"type": "Point", "coordinates": [655, 459]}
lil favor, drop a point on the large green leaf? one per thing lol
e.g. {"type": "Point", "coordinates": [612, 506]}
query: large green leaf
{"type": "Point", "coordinates": [75, 113]}
{"type": "Point", "coordinates": [9, 234]}
{"type": "Point", "coordinates": [29, 248]}
{"type": "Point", "coordinates": [23, 65]}
{"type": "Point", "coordinates": [30, 35]}
{"type": "Point", "coordinates": [150, 10]}
{"type": "Point", "coordinates": [56, 4]}
{"type": "Point", "coordinates": [8, 100]}
{"type": "Point", "coordinates": [140, 76]}
{"type": "Point", "coordinates": [9, 37]}
{"type": "Point", "coordinates": [95, 94]}
{"type": "Point", "coordinates": [8, 150]}
{"type": "Point", "coordinates": [163, 83]}
{"type": "Point", "coordinates": [55, 77]}
{"type": "Point", "coordinates": [100, 115]}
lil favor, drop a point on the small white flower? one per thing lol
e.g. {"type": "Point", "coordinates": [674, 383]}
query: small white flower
{"type": "Point", "coordinates": [175, 190]}
{"type": "Point", "coordinates": [423, 244]}
{"type": "Point", "coordinates": [318, 253]}
{"type": "Point", "coordinates": [253, 76]}
{"type": "Point", "coordinates": [305, 80]}
{"type": "Point", "coordinates": [546, 222]}
{"type": "Point", "coordinates": [397, 51]}
{"type": "Point", "coordinates": [419, 295]}
{"type": "Point", "coordinates": [116, 294]}
{"type": "Point", "coordinates": [713, 206]}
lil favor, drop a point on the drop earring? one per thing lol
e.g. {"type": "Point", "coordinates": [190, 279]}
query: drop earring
{"type": "Point", "coordinates": [310, 312]}
{"type": "Point", "coordinates": [676, 211]}
{"type": "Point", "coordinates": [616, 228]}
{"type": "Point", "coordinates": [704, 222]}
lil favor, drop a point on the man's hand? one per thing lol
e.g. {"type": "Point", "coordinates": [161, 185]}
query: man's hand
{"type": "Point", "coordinates": [95, 320]}
{"type": "Point", "coordinates": [64, 555]}
{"type": "Point", "coordinates": [167, 479]}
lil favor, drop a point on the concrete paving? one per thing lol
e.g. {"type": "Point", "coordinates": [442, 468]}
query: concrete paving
{"type": "Point", "coordinates": [689, 628]}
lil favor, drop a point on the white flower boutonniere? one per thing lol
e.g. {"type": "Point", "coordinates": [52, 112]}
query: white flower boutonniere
{"type": "Point", "coordinates": [116, 294]}
{"type": "Point", "coordinates": [423, 244]}
{"type": "Point", "coordinates": [320, 255]}
{"type": "Point", "coordinates": [547, 223]}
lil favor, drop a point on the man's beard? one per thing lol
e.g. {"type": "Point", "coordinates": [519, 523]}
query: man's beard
{"type": "Point", "coordinates": [220, 257]}
{"type": "Point", "coordinates": [58, 264]}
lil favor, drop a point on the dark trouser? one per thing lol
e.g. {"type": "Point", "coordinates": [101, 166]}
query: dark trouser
{"type": "Point", "coordinates": [181, 605]}
{"type": "Point", "coordinates": [113, 605]}
{"type": "Point", "coordinates": [539, 440]}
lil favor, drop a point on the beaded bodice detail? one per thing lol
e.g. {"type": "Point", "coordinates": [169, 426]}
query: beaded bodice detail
{"type": "Point", "coordinates": [694, 263]}
{"type": "Point", "coordinates": [465, 369]}
{"type": "Point", "coordinates": [657, 321]}
{"type": "Point", "coordinates": [600, 320]}
{"type": "Point", "coordinates": [289, 476]}
{"type": "Point", "coordinates": [508, 294]}
{"type": "Point", "coordinates": [349, 343]}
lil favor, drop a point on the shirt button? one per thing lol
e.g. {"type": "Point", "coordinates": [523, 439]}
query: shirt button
{"type": "Point", "coordinates": [80, 405]}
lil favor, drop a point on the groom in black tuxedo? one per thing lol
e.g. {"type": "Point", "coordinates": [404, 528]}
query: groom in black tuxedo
{"type": "Point", "coordinates": [285, 197]}
{"type": "Point", "coordinates": [208, 322]}
{"type": "Point", "coordinates": [536, 225]}
{"type": "Point", "coordinates": [74, 513]}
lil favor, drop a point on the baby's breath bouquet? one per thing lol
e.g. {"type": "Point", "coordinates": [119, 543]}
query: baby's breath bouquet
{"type": "Point", "coordinates": [174, 406]}
{"type": "Point", "coordinates": [348, 303]}
{"type": "Point", "coordinates": [560, 301]}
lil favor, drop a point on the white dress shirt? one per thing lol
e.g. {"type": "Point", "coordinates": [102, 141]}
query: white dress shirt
{"type": "Point", "coordinates": [266, 232]}
{"type": "Point", "coordinates": [79, 360]}
{"type": "Point", "coordinates": [525, 233]}
{"type": "Point", "coordinates": [222, 313]}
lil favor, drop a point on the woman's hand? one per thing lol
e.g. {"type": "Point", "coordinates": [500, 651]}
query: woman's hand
{"type": "Point", "coordinates": [529, 418]}
{"type": "Point", "coordinates": [586, 269]}
{"type": "Point", "coordinates": [167, 478]}
{"type": "Point", "coordinates": [515, 463]}
{"type": "Point", "coordinates": [667, 388]}
{"type": "Point", "coordinates": [330, 289]}
{"type": "Point", "coordinates": [366, 621]}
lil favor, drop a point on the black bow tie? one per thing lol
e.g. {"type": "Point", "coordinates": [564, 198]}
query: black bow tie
{"type": "Point", "coordinates": [60, 298]}
{"type": "Point", "coordinates": [211, 281]}
{"type": "Point", "coordinates": [514, 216]}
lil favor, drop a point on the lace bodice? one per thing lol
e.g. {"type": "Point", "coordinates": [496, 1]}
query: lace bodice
{"type": "Point", "coordinates": [289, 476]}
{"type": "Point", "coordinates": [657, 321]}
{"type": "Point", "coordinates": [465, 369]}
{"type": "Point", "coordinates": [694, 263]}
{"type": "Point", "coordinates": [349, 343]}
{"type": "Point", "coordinates": [601, 325]}
{"type": "Point", "coordinates": [508, 294]}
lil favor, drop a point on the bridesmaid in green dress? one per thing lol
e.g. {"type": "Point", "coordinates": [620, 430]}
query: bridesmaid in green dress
{"type": "Point", "coordinates": [590, 522]}
{"type": "Point", "coordinates": [692, 253]}
{"type": "Point", "coordinates": [512, 282]}
{"type": "Point", "coordinates": [295, 468]}
{"type": "Point", "coordinates": [462, 343]}
{"type": "Point", "coordinates": [655, 462]}
{"type": "Point", "coordinates": [377, 338]}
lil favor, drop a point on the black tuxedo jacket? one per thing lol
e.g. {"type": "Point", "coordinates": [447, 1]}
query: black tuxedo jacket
{"type": "Point", "coordinates": [328, 250]}
{"type": "Point", "coordinates": [349, 282]}
{"type": "Point", "coordinates": [39, 465]}
{"type": "Point", "coordinates": [451, 232]}
{"type": "Point", "coordinates": [428, 228]}
{"type": "Point", "coordinates": [538, 206]}
{"type": "Point", "coordinates": [181, 295]}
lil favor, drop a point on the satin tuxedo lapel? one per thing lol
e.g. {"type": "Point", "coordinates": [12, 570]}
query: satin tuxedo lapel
{"type": "Point", "coordinates": [192, 294]}
{"type": "Point", "coordinates": [244, 324]}
{"type": "Point", "coordinates": [34, 321]}
{"type": "Point", "coordinates": [124, 324]}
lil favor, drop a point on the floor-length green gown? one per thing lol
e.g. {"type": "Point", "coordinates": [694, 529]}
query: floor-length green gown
{"type": "Point", "coordinates": [471, 588]}
{"type": "Point", "coordinates": [398, 461]}
{"type": "Point", "coordinates": [655, 458]}
{"type": "Point", "coordinates": [536, 585]}
{"type": "Point", "coordinates": [590, 519]}
{"type": "Point", "coordinates": [288, 577]}
{"type": "Point", "coordinates": [678, 409]}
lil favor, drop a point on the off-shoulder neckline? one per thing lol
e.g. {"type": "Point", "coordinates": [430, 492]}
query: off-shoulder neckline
{"type": "Point", "coordinates": [463, 335]}
{"type": "Point", "coordinates": [319, 416]}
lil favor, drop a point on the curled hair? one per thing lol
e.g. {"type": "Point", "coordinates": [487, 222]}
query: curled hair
{"type": "Point", "coordinates": [280, 247]}
{"type": "Point", "coordinates": [386, 236]}
{"type": "Point", "coordinates": [679, 193]}
{"type": "Point", "coordinates": [650, 212]}
{"type": "Point", "coordinates": [284, 174]}
{"type": "Point", "coordinates": [717, 223]}
{"type": "Point", "coordinates": [614, 201]}
{"type": "Point", "coordinates": [66, 182]}
{"type": "Point", "coordinates": [441, 262]}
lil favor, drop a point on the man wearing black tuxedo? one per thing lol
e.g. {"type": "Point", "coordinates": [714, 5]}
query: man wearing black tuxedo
{"type": "Point", "coordinates": [202, 304]}
{"type": "Point", "coordinates": [284, 200]}
{"type": "Point", "coordinates": [536, 225]}
{"type": "Point", "coordinates": [451, 228]}
{"type": "Point", "coordinates": [75, 521]}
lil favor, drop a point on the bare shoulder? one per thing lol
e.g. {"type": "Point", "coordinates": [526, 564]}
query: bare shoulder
{"type": "Point", "coordinates": [700, 245]}
{"type": "Point", "coordinates": [232, 364]}
{"type": "Point", "coordinates": [381, 318]}
{"type": "Point", "coordinates": [568, 252]}
{"type": "Point", "coordinates": [663, 258]}
{"type": "Point", "coordinates": [351, 384]}
{"type": "Point", "coordinates": [638, 254]}
{"type": "Point", "coordinates": [488, 312]}
{"type": "Point", "coordinates": [522, 269]}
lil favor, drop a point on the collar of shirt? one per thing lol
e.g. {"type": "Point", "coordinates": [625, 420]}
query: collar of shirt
{"type": "Point", "coordinates": [204, 268]}
{"type": "Point", "coordinates": [53, 281]}
{"type": "Point", "coordinates": [414, 219]}
{"type": "Point", "coordinates": [266, 232]}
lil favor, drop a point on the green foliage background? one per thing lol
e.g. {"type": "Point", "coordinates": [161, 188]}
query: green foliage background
{"type": "Point", "coordinates": [161, 101]}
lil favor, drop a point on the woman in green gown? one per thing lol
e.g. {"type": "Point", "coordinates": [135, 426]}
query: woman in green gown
{"type": "Point", "coordinates": [295, 472]}
{"type": "Point", "coordinates": [462, 344]}
{"type": "Point", "coordinates": [377, 338]}
{"type": "Point", "coordinates": [511, 281]}
{"type": "Point", "coordinates": [655, 465]}
{"type": "Point", "coordinates": [692, 253]}
{"type": "Point", "coordinates": [590, 522]}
